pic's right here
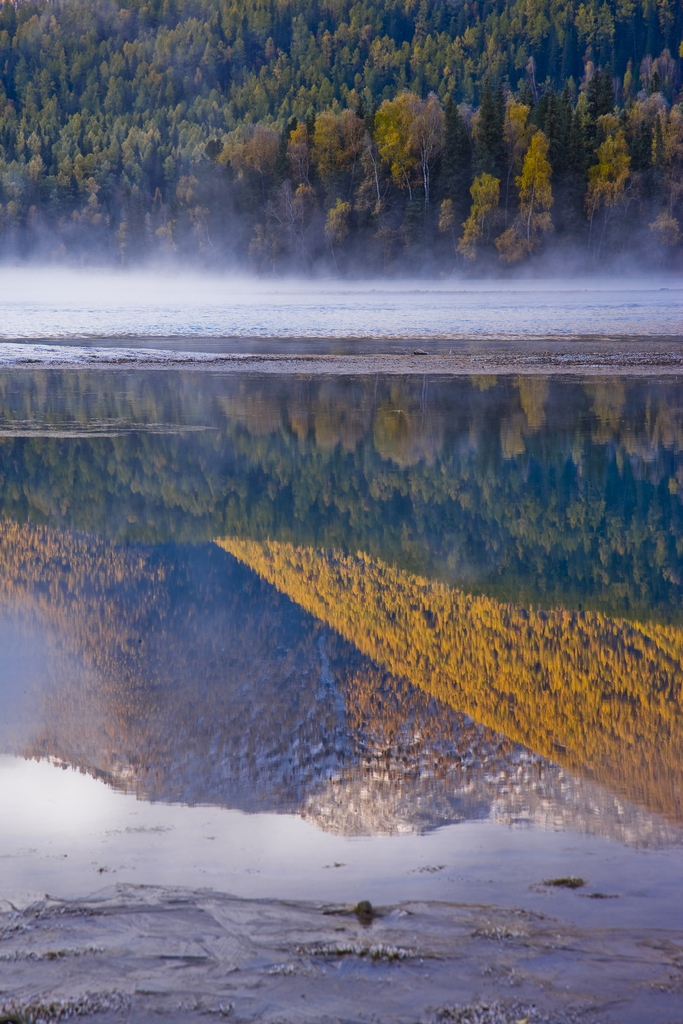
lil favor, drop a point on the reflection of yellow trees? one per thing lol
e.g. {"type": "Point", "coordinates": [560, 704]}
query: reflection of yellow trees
{"type": "Point", "coordinates": [601, 695]}
{"type": "Point", "coordinates": [533, 394]}
{"type": "Point", "coordinates": [337, 422]}
{"type": "Point", "coordinates": [609, 400]}
{"type": "Point", "coordinates": [403, 433]}
{"type": "Point", "coordinates": [511, 436]}
{"type": "Point", "coordinates": [483, 381]}
{"type": "Point", "coordinates": [143, 679]}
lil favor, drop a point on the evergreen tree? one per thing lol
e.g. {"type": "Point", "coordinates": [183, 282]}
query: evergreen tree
{"type": "Point", "coordinates": [605, 99]}
{"type": "Point", "coordinates": [578, 145]}
{"type": "Point", "coordinates": [489, 149]}
{"type": "Point", "coordinates": [553, 131]}
{"type": "Point", "coordinates": [526, 96]}
{"type": "Point", "coordinates": [456, 159]}
{"type": "Point", "coordinates": [560, 155]}
{"type": "Point", "coordinates": [600, 96]}
{"type": "Point", "coordinates": [658, 145]}
{"type": "Point", "coordinates": [593, 94]}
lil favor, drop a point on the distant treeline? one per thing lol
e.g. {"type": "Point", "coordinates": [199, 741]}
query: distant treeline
{"type": "Point", "coordinates": [341, 134]}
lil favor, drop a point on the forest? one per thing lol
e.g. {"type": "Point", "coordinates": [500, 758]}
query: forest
{"type": "Point", "coordinates": [339, 136]}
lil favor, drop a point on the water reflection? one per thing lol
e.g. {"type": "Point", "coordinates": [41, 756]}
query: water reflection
{"type": "Point", "coordinates": [531, 490]}
{"type": "Point", "coordinates": [365, 643]}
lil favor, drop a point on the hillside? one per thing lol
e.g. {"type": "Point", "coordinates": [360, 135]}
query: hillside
{"type": "Point", "coordinates": [280, 135]}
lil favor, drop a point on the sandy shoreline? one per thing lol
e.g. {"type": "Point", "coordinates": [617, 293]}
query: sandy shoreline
{"type": "Point", "coordinates": [586, 357]}
{"type": "Point", "coordinates": [134, 953]}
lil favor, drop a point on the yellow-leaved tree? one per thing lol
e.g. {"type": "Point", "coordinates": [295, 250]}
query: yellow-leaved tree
{"type": "Point", "coordinates": [485, 192]}
{"type": "Point", "coordinates": [253, 151]}
{"type": "Point", "coordinates": [409, 135]}
{"type": "Point", "coordinates": [337, 225]}
{"type": "Point", "coordinates": [393, 134]}
{"type": "Point", "coordinates": [337, 143]}
{"type": "Point", "coordinates": [299, 155]}
{"type": "Point", "coordinates": [608, 180]}
{"type": "Point", "coordinates": [516, 140]}
{"type": "Point", "coordinates": [667, 146]}
{"type": "Point", "coordinates": [535, 200]}
{"type": "Point", "coordinates": [447, 218]}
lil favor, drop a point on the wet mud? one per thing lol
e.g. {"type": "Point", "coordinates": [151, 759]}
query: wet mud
{"type": "Point", "coordinates": [136, 953]}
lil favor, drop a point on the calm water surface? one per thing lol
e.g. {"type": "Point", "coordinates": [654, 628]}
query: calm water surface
{"type": "Point", "coordinates": [374, 637]}
{"type": "Point", "coordinates": [67, 307]}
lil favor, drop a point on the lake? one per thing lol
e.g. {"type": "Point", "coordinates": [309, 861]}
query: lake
{"type": "Point", "coordinates": [294, 621]}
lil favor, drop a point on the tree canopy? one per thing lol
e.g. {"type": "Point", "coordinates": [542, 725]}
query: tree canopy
{"type": "Point", "coordinates": [229, 131]}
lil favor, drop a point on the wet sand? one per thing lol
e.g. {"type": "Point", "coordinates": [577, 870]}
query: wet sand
{"type": "Point", "coordinates": [585, 357]}
{"type": "Point", "coordinates": [136, 953]}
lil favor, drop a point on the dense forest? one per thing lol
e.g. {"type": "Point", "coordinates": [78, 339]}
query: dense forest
{"type": "Point", "coordinates": [525, 489]}
{"type": "Point", "coordinates": [340, 135]}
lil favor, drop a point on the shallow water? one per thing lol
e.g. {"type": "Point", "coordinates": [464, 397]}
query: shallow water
{"type": "Point", "coordinates": [55, 304]}
{"type": "Point", "coordinates": [385, 637]}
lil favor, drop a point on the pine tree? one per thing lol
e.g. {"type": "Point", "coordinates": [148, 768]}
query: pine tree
{"type": "Point", "coordinates": [605, 99]}
{"type": "Point", "coordinates": [658, 146]}
{"type": "Point", "coordinates": [593, 95]}
{"type": "Point", "coordinates": [641, 147]}
{"type": "Point", "coordinates": [578, 144]}
{"type": "Point", "coordinates": [489, 150]}
{"type": "Point", "coordinates": [539, 111]}
{"type": "Point", "coordinates": [565, 113]}
{"type": "Point", "coordinates": [456, 159]}
{"type": "Point", "coordinates": [526, 96]}
{"type": "Point", "coordinates": [552, 129]}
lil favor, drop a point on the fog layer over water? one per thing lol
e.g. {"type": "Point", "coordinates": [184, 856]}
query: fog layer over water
{"type": "Point", "coordinates": [56, 304]}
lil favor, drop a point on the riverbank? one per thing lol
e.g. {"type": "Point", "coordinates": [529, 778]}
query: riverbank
{"type": "Point", "coordinates": [134, 953]}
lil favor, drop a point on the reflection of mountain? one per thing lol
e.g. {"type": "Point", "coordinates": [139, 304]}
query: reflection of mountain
{"type": "Point", "coordinates": [601, 695]}
{"type": "Point", "coordinates": [525, 489]}
{"type": "Point", "coordinates": [179, 674]}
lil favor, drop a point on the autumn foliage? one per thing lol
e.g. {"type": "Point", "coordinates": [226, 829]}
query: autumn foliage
{"type": "Point", "coordinates": [236, 132]}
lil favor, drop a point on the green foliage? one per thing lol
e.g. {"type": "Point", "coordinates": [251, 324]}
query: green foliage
{"type": "Point", "coordinates": [114, 118]}
{"type": "Point", "coordinates": [489, 152]}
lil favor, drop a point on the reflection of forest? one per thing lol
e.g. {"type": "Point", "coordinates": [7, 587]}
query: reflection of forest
{"type": "Point", "coordinates": [527, 489]}
{"type": "Point", "coordinates": [179, 674]}
{"type": "Point", "coordinates": [601, 695]}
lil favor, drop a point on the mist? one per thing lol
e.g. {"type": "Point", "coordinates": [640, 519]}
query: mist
{"type": "Point", "coordinates": [51, 305]}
